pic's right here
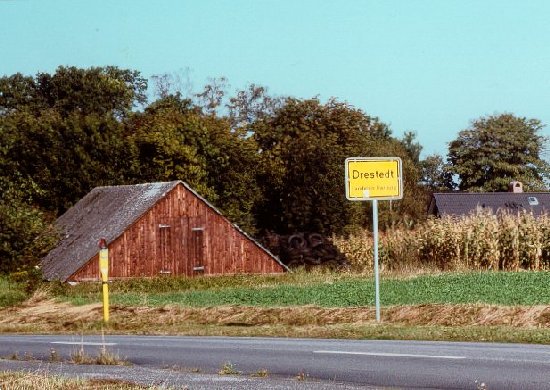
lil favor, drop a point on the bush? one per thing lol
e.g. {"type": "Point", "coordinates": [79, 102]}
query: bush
{"type": "Point", "coordinates": [25, 237]}
{"type": "Point", "coordinates": [11, 292]}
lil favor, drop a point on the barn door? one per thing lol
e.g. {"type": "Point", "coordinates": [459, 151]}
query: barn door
{"type": "Point", "coordinates": [171, 246]}
{"type": "Point", "coordinates": [197, 244]}
{"type": "Point", "coordinates": [165, 248]}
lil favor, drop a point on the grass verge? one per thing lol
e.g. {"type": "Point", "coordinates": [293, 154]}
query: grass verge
{"type": "Point", "coordinates": [35, 381]}
{"type": "Point", "coordinates": [489, 306]}
{"type": "Point", "coordinates": [11, 292]}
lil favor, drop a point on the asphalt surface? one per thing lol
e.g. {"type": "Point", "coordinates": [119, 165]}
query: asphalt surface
{"type": "Point", "coordinates": [173, 378]}
{"type": "Point", "coordinates": [295, 363]}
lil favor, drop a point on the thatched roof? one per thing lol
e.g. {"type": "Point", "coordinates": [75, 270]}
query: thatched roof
{"type": "Point", "coordinates": [464, 203]}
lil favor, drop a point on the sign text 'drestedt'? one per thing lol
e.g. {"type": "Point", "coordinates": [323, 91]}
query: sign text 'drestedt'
{"type": "Point", "coordinates": [370, 178]}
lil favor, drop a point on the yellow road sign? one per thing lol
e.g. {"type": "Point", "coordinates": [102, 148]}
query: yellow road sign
{"type": "Point", "coordinates": [369, 178]}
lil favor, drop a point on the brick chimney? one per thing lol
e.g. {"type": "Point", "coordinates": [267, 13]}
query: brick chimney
{"type": "Point", "coordinates": [515, 186]}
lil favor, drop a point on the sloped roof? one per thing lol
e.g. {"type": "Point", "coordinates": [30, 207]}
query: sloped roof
{"type": "Point", "coordinates": [463, 203]}
{"type": "Point", "coordinates": [105, 212]}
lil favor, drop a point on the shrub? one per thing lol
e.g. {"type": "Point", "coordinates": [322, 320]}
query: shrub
{"type": "Point", "coordinates": [25, 236]}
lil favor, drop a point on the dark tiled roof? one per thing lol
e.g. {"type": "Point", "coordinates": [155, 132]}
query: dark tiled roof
{"type": "Point", "coordinates": [463, 203]}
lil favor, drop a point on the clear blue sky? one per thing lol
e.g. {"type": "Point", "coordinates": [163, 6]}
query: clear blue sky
{"type": "Point", "coordinates": [430, 66]}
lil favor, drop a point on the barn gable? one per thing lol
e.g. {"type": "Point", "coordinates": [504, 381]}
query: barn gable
{"type": "Point", "coordinates": [152, 229]}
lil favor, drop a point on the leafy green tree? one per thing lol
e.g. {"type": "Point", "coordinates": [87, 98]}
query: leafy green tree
{"type": "Point", "coordinates": [412, 146]}
{"type": "Point", "coordinates": [60, 135]}
{"type": "Point", "coordinates": [65, 157]}
{"type": "Point", "coordinates": [232, 164]}
{"type": "Point", "coordinates": [496, 150]}
{"type": "Point", "coordinates": [64, 131]}
{"type": "Point", "coordinates": [166, 137]}
{"type": "Point", "coordinates": [212, 96]}
{"type": "Point", "coordinates": [18, 92]}
{"type": "Point", "coordinates": [70, 90]}
{"type": "Point", "coordinates": [302, 149]}
{"type": "Point", "coordinates": [250, 105]}
{"type": "Point", "coordinates": [97, 90]}
{"type": "Point", "coordinates": [435, 174]}
{"type": "Point", "coordinates": [26, 233]}
{"type": "Point", "coordinates": [176, 140]}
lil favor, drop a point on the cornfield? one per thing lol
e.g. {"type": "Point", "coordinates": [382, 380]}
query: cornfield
{"type": "Point", "coordinates": [479, 241]}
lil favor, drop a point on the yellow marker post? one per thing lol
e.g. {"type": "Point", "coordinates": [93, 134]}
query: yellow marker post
{"type": "Point", "coordinates": [104, 272]}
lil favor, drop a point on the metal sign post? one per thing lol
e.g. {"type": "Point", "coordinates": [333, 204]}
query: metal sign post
{"type": "Point", "coordinates": [104, 272]}
{"type": "Point", "coordinates": [375, 250]}
{"type": "Point", "coordinates": [374, 178]}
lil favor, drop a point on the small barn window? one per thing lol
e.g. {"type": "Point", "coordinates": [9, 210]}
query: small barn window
{"type": "Point", "coordinates": [533, 201]}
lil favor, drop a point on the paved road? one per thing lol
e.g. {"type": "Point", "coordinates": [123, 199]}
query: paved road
{"type": "Point", "coordinates": [397, 364]}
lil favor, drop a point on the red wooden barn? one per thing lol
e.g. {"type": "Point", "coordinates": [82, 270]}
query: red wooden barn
{"type": "Point", "coordinates": [152, 229]}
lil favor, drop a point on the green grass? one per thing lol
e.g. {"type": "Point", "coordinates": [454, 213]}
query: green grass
{"type": "Point", "coordinates": [326, 290]}
{"type": "Point", "coordinates": [498, 288]}
{"type": "Point", "coordinates": [449, 333]}
{"type": "Point", "coordinates": [11, 293]}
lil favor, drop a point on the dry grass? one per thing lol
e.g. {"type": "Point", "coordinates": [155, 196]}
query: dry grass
{"type": "Point", "coordinates": [104, 358]}
{"type": "Point", "coordinates": [261, 373]}
{"type": "Point", "coordinates": [36, 381]}
{"type": "Point", "coordinates": [446, 322]}
{"type": "Point", "coordinates": [228, 368]}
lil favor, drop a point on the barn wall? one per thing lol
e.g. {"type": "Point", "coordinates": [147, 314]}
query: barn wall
{"type": "Point", "coordinates": [181, 235]}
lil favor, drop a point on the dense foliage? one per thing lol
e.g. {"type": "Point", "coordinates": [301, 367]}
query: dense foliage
{"type": "Point", "coordinates": [496, 150]}
{"type": "Point", "coordinates": [302, 149]}
{"type": "Point", "coordinates": [60, 136]}
{"type": "Point", "coordinates": [268, 163]}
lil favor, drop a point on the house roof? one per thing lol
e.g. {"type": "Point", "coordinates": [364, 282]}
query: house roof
{"type": "Point", "coordinates": [463, 203]}
{"type": "Point", "coordinates": [105, 212]}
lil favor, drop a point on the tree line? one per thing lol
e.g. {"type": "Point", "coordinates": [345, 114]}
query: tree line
{"type": "Point", "coordinates": [269, 163]}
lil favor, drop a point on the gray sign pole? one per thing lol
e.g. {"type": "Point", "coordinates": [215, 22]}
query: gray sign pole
{"type": "Point", "coordinates": [374, 178]}
{"type": "Point", "coordinates": [375, 249]}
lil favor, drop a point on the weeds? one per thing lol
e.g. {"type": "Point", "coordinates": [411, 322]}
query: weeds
{"type": "Point", "coordinates": [262, 373]}
{"type": "Point", "coordinates": [37, 381]}
{"type": "Point", "coordinates": [81, 357]}
{"type": "Point", "coordinates": [105, 358]}
{"type": "Point", "coordinates": [229, 368]}
{"type": "Point", "coordinates": [54, 356]}
{"type": "Point", "coordinates": [27, 356]}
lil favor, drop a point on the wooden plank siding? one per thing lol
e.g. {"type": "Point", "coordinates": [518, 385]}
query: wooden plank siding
{"type": "Point", "coordinates": [181, 235]}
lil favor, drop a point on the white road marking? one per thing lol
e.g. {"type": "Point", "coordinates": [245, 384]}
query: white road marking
{"type": "Point", "coordinates": [384, 354]}
{"type": "Point", "coordinates": [80, 343]}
